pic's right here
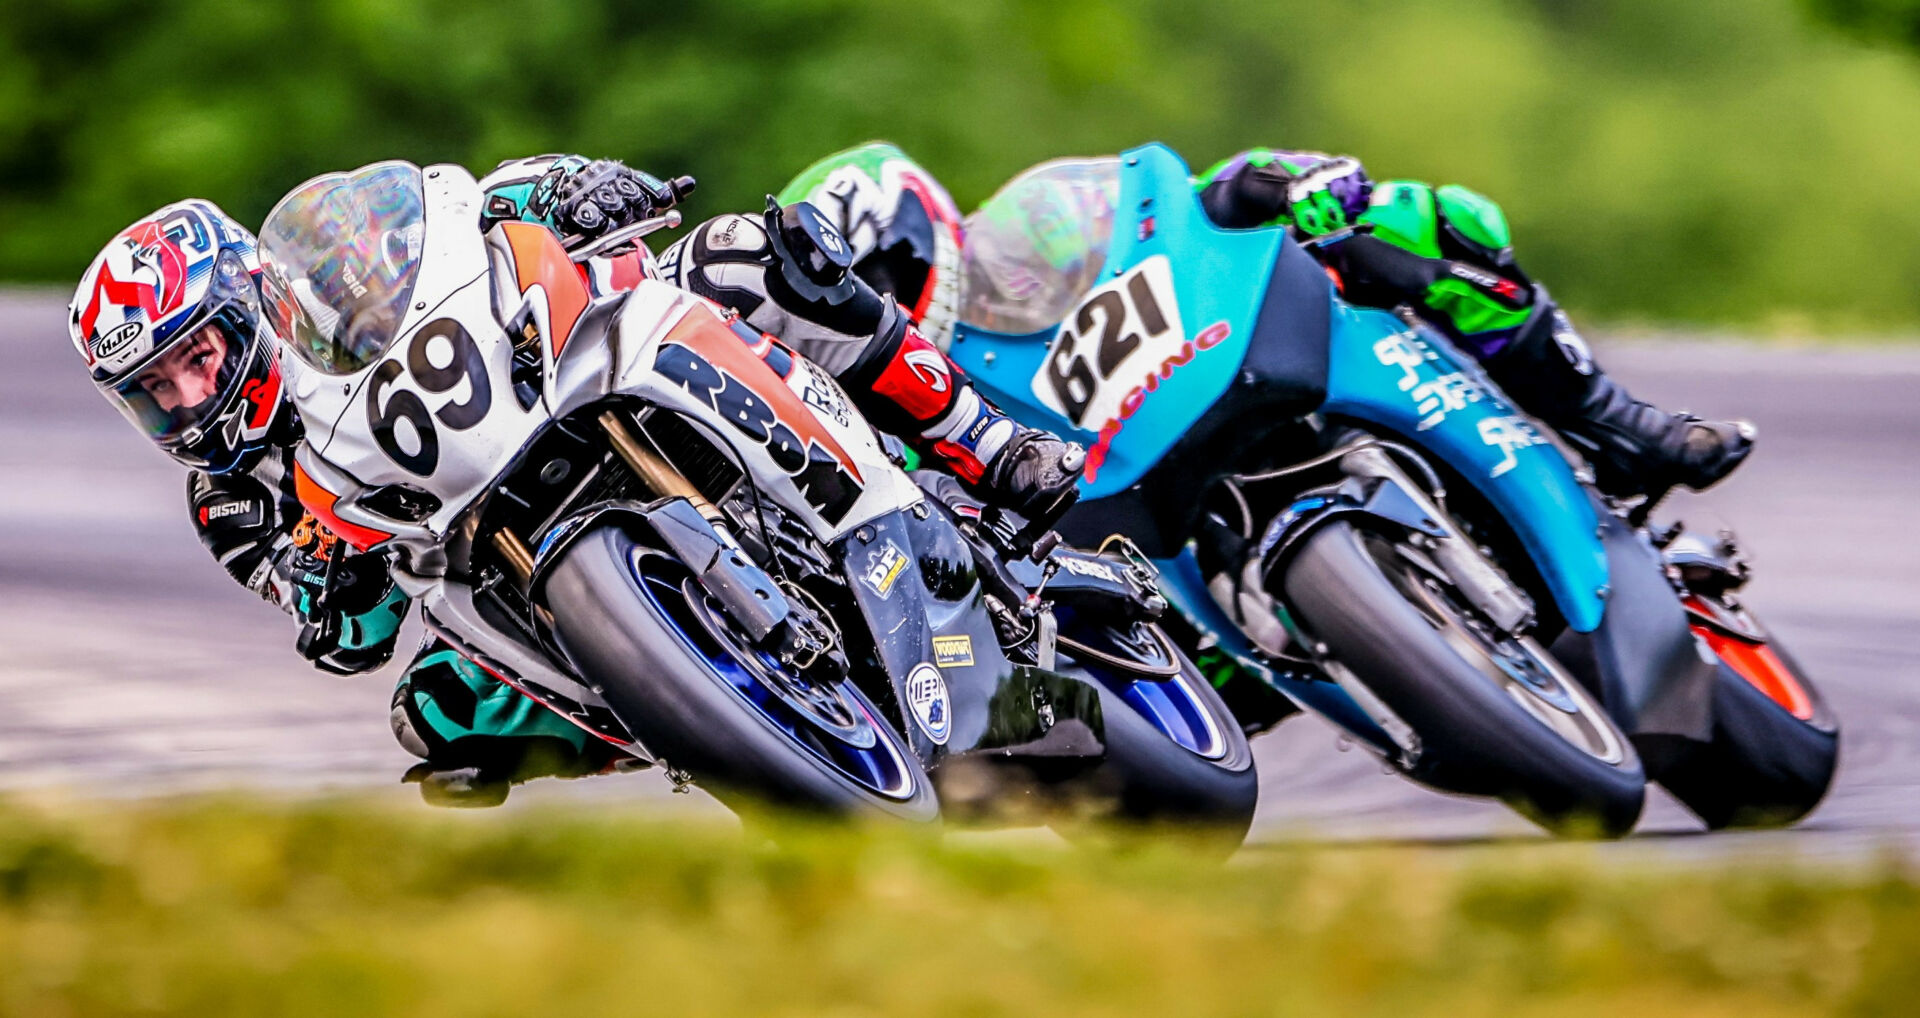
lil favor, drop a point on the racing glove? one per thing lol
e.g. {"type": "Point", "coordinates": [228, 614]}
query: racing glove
{"type": "Point", "coordinates": [349, 611]}
{"type": "Point", "coordinates": [606, 195]}
{"type": "Point", "coordinates": [1314, 193]}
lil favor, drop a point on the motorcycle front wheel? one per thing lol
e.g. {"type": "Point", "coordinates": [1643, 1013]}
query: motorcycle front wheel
{"type": "Point", "coordinates": [705, 701]}
{"type": "Point", "coordinates": [1494, 715]}
{"type": "Point", "coordinates": [1175, 755]}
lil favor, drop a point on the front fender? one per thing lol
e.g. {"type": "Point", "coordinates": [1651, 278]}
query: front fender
{"type": "Point", "coordinates": [1375, 498]}
{"type": "Point", "coordinates": [1410, 382]}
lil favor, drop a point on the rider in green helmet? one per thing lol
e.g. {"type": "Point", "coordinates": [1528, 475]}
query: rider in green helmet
{"type": "Point", "coordinates": [1445, 252]}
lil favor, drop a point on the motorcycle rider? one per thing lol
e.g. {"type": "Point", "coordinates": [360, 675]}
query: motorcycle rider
{"type": "Point", "coordinates": [1446, 252]}
{"type": "Point", "coordinates": [168, 319]}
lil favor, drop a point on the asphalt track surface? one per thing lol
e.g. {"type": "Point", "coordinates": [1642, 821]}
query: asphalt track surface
{"type": "Point", "coordinates": [131, 665]}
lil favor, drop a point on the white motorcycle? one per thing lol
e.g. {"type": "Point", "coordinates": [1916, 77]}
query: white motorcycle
{"type": "Point", "coordinates": [683, 538]}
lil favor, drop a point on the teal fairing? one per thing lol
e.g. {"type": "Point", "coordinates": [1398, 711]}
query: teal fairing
{"type": "Point", "coordinates": [1406, 383]}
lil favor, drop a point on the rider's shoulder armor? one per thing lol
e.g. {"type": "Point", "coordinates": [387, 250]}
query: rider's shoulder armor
{"type": "Point", "coordinates": [1404, 213]}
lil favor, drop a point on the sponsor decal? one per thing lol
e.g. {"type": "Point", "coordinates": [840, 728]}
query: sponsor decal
{"type": "Point", "coordinates": [823, 395]}
{"type": "Point", "coordinates": [1089, 568]}
{"type": "Point", "coordinates": [953, 651]}
{"type": "Point", "coordinates": [884, 565]}
{"type": "Point", "coordinates": [918, 379]}
{"type": "Point", "coordinates": [798, 442]}
{"type": "Point", "coordinates": [222, 510]}
{"type": "Point", "coordinates": [824, 232]}
{"type": "Point", "coordinates": [930, 366]}
{"type": "Point", "coordinates": [240, 513]}
{"type": "Point", "coordinates": [1146, 229]}
{"type": "Point", "coordinates": [1508, 434]}
{"type": "Point", "coordinates": [1209, 337]}
{"type": "Point", "coordinates": [116, 340]}
{"type": "Point", "coordinates": [1433, 398]}
{"type": "Point", "coordinates": [927, 702]}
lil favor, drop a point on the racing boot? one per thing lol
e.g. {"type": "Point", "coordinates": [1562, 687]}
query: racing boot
{"type": "Point", "coordinates": [477, 736]}
{"type": "Point", "coordinates": [1635, 448]}
{"type": "Point", "coordinates": [908, 387]}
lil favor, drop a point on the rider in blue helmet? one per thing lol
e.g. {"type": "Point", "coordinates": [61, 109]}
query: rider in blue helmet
{"type": "Point", "coordinates": [169, 321]}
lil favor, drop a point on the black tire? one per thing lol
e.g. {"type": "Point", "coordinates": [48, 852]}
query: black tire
{"type": "Point", "coordinates": [1476, 737]}
{"type": "Point", "coordinates": [674, 698]}
{"type": "Point", "coordinates": [1765, 767]}
{"type": "Point", "coordinates": [1148, 778]}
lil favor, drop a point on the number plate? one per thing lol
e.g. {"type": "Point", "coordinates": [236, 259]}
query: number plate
{"type": "Point", "coordinates": [1120, 334]}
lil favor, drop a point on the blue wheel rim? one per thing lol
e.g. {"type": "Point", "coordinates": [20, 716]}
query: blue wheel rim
{"type": "Point", "coordinates": [879, 769]}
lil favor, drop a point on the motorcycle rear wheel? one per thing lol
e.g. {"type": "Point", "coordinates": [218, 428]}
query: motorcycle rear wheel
{"type": "Point", "coordinates": [1534, 738]}
{"type": "Point", "coordinates": [697, 694]}
{"type": "Point", "coordinates": [1775, 743]}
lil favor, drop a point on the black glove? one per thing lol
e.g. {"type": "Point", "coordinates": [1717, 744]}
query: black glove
{"type": "Point", "coordinates": [1037, 475]}
{"type": "Point", "coordinates": [331, 590]}
{"type": "Point", "coordinates": [815, 260]}
{"type": "Point", "coordinates": [606, 195]}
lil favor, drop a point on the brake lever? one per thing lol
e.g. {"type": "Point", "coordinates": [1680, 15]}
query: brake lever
{"type": "Point", "coordinates": [619, 238]}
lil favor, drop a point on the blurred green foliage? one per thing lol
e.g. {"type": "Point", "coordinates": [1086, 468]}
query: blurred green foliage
{"type": "Point", "coordinates": [217, 908]}
{"type": "Point", "coordinates": [1730, 161]}
{"type": "Point", "coordinates": [1895, 21]}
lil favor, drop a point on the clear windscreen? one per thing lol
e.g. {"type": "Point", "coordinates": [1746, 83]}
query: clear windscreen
{"type": "Point", "coordinates": [1037, 246]}
{"type": "Point", "coordinates": [339, 256]}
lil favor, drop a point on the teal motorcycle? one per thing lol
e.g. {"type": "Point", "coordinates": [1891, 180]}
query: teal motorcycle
{"type": "Point", "coordinates": [1340, 504]}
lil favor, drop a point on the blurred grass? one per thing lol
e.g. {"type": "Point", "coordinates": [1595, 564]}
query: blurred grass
{"type": "Point", "coordinates": [1715, 161]}
{"type": "Point", "coordinates": [230, 907]}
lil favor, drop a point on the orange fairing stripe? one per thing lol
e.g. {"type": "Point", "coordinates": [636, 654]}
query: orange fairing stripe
{"type": "Point", "coordinates": [1763, 670]}
{"type": "Point", "coordinates": [538, 259]}
{"type": "Point", "coordinates": [703, 332]}
{"type": "Point", "coordinates": [320, 502]}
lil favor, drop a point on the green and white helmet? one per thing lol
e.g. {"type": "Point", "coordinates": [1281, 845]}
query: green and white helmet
{"type": "Point", "coordinates": [902, 225]}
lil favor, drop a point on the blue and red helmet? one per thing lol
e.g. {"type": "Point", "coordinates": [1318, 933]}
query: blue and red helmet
{"type": "Point", "coordinates": [168, 320]}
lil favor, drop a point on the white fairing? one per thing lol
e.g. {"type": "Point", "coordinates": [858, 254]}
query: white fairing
{"type": "Point", "coordinates": [657, 317]}
{"type": "Point", "coordinates": [450, 365]}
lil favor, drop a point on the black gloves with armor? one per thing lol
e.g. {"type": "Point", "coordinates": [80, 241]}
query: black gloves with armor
{"type": "Point", "coordinates": [1037, 475]}
{"type": "Point", "coordinates": [607, 195]}
{"type": "Point", "coordinates": [348, 609]}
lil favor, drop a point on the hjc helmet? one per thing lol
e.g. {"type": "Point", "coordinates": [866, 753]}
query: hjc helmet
{"type": "Point", "coordinates": [168, 320]}
{"type": "Point", "coordinates": [903, 227]}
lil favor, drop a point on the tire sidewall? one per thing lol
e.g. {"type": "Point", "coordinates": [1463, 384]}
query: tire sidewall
{"type": "Point", "coordinates": [1475, 738]}
{"type": "Point", "coordinates": [679, 707]}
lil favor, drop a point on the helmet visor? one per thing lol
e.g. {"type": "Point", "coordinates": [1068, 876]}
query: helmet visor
{"type": "Point", "coordinates": [340, 255]}
{"type": "Point", "coordinates": [186, 384]}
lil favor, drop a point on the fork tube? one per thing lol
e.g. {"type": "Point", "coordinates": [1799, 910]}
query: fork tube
{"type": "Point", "coordinates": [518, 556]}
{"type": "Point", "coordinates": [657, 473]}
